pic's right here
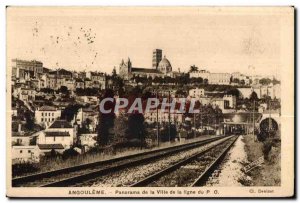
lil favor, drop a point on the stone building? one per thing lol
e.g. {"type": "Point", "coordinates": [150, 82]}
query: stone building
{"type": "Point", "coordinates": [159, 69]}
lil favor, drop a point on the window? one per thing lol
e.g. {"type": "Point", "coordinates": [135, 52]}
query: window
{"type": "Point", "coordinates": [42, 119]}
{"type": "Point", "coordinates": [52, 119]}
{"type": "Point", "coordinates": [29, 151]}
{"type": "Point", "coordinates": [42, 114]}
{"type": "Point", "coordinates": [52, 114]}
{"type": "Point", "coordinates": [21, 151]}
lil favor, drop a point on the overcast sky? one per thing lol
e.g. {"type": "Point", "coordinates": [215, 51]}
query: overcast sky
{"type": "Point", "coordinates": [219, 40]}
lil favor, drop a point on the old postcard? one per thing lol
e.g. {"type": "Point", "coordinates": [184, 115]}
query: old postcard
{"type": "Point", "coordinates": [153, 102]}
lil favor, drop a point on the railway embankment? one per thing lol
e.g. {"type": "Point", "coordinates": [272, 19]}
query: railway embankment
{"type": "Point", "coordinates": [268, 172]}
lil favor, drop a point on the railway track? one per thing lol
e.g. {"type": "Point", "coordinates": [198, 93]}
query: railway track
{"type": "Point", "coordinates": [133, 175]}
{"type": "Point", "coordinates": [190, 172]}
{"type": "Point", "coordinates": [77, 174]}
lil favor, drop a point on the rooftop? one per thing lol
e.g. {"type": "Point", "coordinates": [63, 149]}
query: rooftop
{"type": "Point", "coordinates": [60, 72]}
{"type": "Point", "coordinates": [61, 124]}
{"type": "Point", "coordinates": [57, 134]}
{"type": "Point", "coordinates": [47, 108]}
{"type": "Point", "coordinates": [50, 146]}
{"type": "Point", "coordinates": [145, 70]}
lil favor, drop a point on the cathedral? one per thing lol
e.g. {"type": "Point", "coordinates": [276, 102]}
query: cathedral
{"type": "Point", "coordinates": [161, 67]}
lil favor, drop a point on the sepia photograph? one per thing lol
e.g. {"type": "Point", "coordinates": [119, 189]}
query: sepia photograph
{"type": "Point", "coordinates": [153, 102]}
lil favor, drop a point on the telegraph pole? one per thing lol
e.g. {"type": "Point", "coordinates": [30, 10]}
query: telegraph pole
{"type": "Point", "coordinates": [270, 121]}
{"type": "Point", "coordinates": [157, 125]}
{"type": "Point", "coordinates": [253, 120]}
{"type": "Point", "coordinates": [216, 124]}
{"type": "Point", "coordinates": [207, 126]}
{"type": "Point", "coordinates": [194, 126]}
{"type": "Point", "coordinates": [169, 116]}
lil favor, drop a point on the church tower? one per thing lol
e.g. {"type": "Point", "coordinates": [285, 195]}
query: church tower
{"type": "Point", "coordinates": [156, 58]}
{"type": "Point", "coordinates": [125, 69]}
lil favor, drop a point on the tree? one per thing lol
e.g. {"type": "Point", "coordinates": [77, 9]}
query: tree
{"type": "Point", "coordinates": [234, 92]}
{"type": "Point", "coordinates": [236, 80]}
{"type": "Point", "coordinates": [29, 125]}
{"type": "Point", "coordinates": [70, 111]}
{"type": "Point", "coordinates": [47, 90]}
{"type": "Point", "coordinates": [265, 81]}
{"type": "Point", "coordinates": [169, 133]}
{"type": "Point", "coordinates": [86, 125]}
{"type": "Point", "coordinates": [120, 130]}
{"type": "Point", "coordinates": [136, 127]}
{"type": "Point", "coordinates": [253, 96]}
{"type": "Point", "coordinates": [64, 90]}
{"type": "Point", "coordinates": [106, 120]}
{"type": "Point", "coordinates": [193, 68]}
{"type": "Point", "coordinates": [114, 73]}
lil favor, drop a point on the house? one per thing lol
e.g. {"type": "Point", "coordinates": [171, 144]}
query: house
{"type": "Point", "coordinates": [79, 84]}
{"type": "Point", "coordinates": [45, 149]}
{"type": "Point", "coordinates": [20, 139]}
{"type": "Point", "coordinates": [25, 94]}
{"type": "Point", "coordinates": [88, 116]}
{"type": "Point", "coordinates": [88, 141]}
{"type": "Point", "coordinates": [97, 77]}
{"type": "Point", "coordinates": [230, 101]}
{"type": "Point", "coordinates": [91, 84]}
{"type": "Point", "coordinates": [23, 154]}
{"type": "Point", "coordinates": [70, 84]}
{"type": "Point", "coordinates": [46, 115]}
{"type": "Point", "coordinates": [59, 132]}
{"type": "Point", "coordinates": [196, 92]}
{"type": "Point", "coordinates": [151, 116]}
{"type": "Point", "coordinates": [93, 100]}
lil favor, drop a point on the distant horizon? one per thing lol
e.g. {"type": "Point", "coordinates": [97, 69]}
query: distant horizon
{"type": "Point", "coordinates": [109, 73]}
{"type": "Point", "coordinates": [97, 39]}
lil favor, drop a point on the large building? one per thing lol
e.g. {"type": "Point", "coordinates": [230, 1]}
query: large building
{"type": "Point", "coordinates": [219, 78]}
{"type": "Point", "coordinates": [152, 116]}
{"type": "Point", "coordinates": [204, 74]}
{"type": "Point", "coordinates": [46, 115]}
{"type": "Point", "coordinates": [160, 67]}
{"type": "Point", "coordinates": [23, 70]}
{"type": "Point", "coordinates": [212, 78]}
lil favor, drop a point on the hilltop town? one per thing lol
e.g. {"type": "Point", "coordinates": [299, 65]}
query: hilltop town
{"type": "Point", "coordinates": [55, 112]}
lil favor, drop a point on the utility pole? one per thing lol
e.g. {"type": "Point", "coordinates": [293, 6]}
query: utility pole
{"type": "Point", "coordinates": [194, 126]}
{"type": "Point", "coordinates": [270, 121]}
{"type": "Point", "coordinates": [207, 125]}
{"type": "Point", "coordinates": [216, 124]}
{"type": "Point", "coordinates": [169, 116]}
{"type": "Point", "coordinates": [157, 125]}
{"type": "Point", "coordinates": [253, 120]}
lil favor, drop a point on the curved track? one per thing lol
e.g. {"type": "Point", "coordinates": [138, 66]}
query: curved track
{"type": "Point", "coordinates": [77, 174]}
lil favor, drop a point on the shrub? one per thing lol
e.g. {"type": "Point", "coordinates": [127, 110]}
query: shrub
{"type": "Point", "coordinates": [24, 168]}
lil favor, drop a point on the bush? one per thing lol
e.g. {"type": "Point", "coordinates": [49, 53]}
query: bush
{"type": "Point", "coordinates": [24, 168]}
{"type": "Point", "coordinates": [69, 153]}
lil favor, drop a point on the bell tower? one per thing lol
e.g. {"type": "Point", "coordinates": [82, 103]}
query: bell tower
{"type": "Point", "coordinates": [156, 58]}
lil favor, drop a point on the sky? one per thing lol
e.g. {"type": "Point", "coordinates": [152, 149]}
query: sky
{"type": "Point", "coordinates": [97, 38]}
